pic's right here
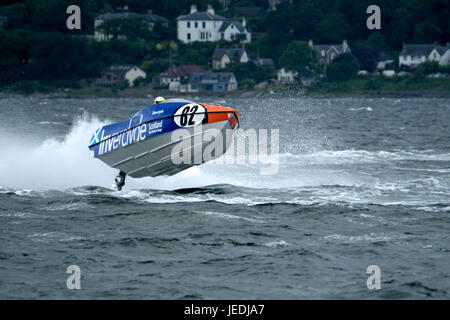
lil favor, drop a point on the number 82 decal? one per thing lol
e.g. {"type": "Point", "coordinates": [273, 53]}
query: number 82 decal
{"type": "Point", "coordinates": [189, 115]}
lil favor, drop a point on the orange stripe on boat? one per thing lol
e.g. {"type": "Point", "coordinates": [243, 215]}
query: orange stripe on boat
{"type": "Point", "coordinates": [221, 115]}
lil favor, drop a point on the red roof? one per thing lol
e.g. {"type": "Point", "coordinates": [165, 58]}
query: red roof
{"type": "Point", "coordinates": [181, 71]}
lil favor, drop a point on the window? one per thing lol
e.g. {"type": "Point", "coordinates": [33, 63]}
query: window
{"type": "Point", "coordinates": [196, 24]}
{"type": "Point", "coordinates": [188, 24]}
{"type": "Point", "coordinates": [189, 36]}
{"type": "Point", "coordinates": [204, 25]}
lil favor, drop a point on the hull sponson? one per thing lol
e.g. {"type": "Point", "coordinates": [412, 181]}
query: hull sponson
{"type": "Point", "coordinates": [155, 156]}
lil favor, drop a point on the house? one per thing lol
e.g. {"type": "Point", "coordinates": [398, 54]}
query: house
{"type": "Point", "coordinates": [286, 77]}
{"type": "Point", "coordinates": [118, 73]}
{"type": "Point", "coordinates": [239, 12]}
{"type": "Point", "coordinates": [222, 57]}
{"type": "Point", "coordinates": [212, 82]}
{"type": "Point", "coordinates": [175, 75]}
{"type": "Point", "coordinates": [327, 52]}
{"type": "Point", "coordinates": [3, 21]}
{"type": "Point", "coordinates": [415, 54]}
{"type": "Point", "coordinates": [150, 19]}
{"type": "Point", "coordinates": [234, 30]}
{"type": "Point", "coordinates": [265, 62]}
{"type": "Point", "coordinates": [383, 60]}
{"type": "Point", "coordinates": [208, 26]}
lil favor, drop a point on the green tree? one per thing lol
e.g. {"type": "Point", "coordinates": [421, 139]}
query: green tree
{"type": "Point", "coordinates": [250, 70]}
{"type": "Point", "coordinates": [14, 55]}
{"type": "Point", "coordinates": [55, 56]}
{"type": "Point", "coordinates": [332, 29]}
{"type": "Point", "coordinates": [343, 67]}
{"type": "Point", "coordinates": [366, 55]}
{"type": "Point", "coordinates": [377, 41]}
{"type": "Point", "coordinates": [131, 28]}
{"type": "Point", "coordinates": [425, 31]}
{"type": "Point", "coordinates": [50, 15]}
{"type": "Point", "coordinates": [300, 57]}
{"type": "Point", "coordinates": [401, 30]}
{"type": "Point", "coordinates": [247, 84]}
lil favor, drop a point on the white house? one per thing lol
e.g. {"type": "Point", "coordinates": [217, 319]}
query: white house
{"type": "Point", "coordinates": [232, 30]}
{"type": "Point", "coordinates": [284, 76]}
{"type": "Point", "coordinates": [222, 57]}
{"type": "Point", "coordinates": [415, 54]}
{"type": "Point", "coordinates": [117, 73]}
{"type": "Point", "coordinates": [208, 26]}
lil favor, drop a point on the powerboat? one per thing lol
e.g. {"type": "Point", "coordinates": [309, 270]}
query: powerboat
{"type": "Point", "coordinates": [165, 138]}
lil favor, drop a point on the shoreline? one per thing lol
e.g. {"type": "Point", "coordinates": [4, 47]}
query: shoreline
{"type": "Point", "coordinates": [239, 94]}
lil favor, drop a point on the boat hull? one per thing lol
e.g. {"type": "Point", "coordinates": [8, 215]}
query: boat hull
{"type": "Point", "coordinates": [168, 144]}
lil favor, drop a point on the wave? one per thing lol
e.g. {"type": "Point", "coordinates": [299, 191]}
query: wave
{"type": "Point", "coordinates": [59, 164]}
{"type": "Point", "coordinates": [364, 156]}
{"type": "Point", "coordinates": [88, 198]}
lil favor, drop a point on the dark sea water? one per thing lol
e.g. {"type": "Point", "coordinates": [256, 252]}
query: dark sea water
{"type": "Point", "coordinates": [360, 182]}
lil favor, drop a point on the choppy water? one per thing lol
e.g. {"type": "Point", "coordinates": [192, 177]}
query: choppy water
{"type": "Point", "coordinates": [361, 182]}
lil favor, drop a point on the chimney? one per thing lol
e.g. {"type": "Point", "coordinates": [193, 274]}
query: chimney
{"type": "Point", "coordinates": [244, 22]}
{"type": "Point", "coordinates": [210, 9]}
{"type": "Point", "coordinates": [310, 43]}
{"type": "Point", "coordinates": [193, 8]}
{"type": "Point", "coordinates": [344, 45]}
{"type": "Point", "coordinates": [149, 12]}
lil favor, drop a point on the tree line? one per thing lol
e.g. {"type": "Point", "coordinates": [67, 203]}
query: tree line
{"type": "Point", "coordinates": [36, 45]}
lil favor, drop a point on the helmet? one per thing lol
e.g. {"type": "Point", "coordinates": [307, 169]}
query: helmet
{"type": "Point", "coordinates": [159, 100]}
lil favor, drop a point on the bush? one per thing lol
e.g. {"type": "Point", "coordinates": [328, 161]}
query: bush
{"type": "Point", "coordinates": [247, 84]}
{"type": "Point", "coordinates": [141, 81]}
{"type": "Point", "coordinates": [427, 67]}
{"type": "Point", "coordinates": [29, 87]}
{"type": "Point", "coordinates": [372, 85]}
{"type": "Point", "coordinates": [122, 85]}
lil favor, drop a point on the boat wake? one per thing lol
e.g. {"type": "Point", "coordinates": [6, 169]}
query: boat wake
{"type": "Point", "coordinates": [67, 166]}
